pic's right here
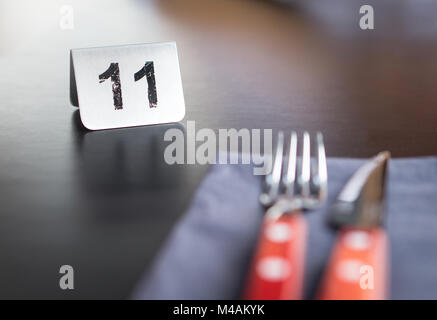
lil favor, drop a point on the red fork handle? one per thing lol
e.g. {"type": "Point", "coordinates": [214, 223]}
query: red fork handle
{"type": "Point", "coordinates": [278, 265]}
{"type": "Point", "coordinates": [358, 267]}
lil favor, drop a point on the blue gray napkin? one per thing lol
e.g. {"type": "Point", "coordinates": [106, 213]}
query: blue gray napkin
{"type": "Point", "coordinates": [208, 252]}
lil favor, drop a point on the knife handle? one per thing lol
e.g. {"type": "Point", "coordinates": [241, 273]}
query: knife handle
{"type": "Point", "coordinates": [358, 267]}
{"type": "Point", "coordinates": [278, 265]}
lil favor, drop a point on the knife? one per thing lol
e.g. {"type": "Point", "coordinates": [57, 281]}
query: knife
{"type": "Point", "coordinates": [358, 266]}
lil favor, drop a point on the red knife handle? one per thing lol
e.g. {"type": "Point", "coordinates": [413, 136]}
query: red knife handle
{"type": "Point", "coordinates": [278, 265]}
{"type": "Point", "coordinates": [358, 267]}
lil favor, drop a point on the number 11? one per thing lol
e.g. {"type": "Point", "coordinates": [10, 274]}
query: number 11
{"type": "Point", "coordinates": [147, 70]}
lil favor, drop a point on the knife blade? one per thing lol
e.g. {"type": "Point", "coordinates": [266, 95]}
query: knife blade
{"type": "Point", "coordinates": [361, 202]}
{"type": "Point", "coordinates": [358, 266]}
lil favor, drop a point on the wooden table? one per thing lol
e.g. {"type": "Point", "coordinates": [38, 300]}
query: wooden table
{"type": "Point", "coordinates": [104, 202]}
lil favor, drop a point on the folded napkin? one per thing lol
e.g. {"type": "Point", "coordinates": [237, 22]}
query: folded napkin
{"type": "Point", "coordinates": [209, 251]}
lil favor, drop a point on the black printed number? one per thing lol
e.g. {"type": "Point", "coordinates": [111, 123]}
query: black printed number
{"type": "Point", "coordinates": [114, 73]}
{"type": "Point", "coordinates": [147, 70]}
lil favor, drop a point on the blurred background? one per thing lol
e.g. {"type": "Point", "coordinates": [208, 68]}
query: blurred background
{"type": "Point", "coordinates": [306, 63]}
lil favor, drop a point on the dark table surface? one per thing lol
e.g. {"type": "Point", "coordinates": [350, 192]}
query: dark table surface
{"type": "Point", "coordinates": [104, 202]}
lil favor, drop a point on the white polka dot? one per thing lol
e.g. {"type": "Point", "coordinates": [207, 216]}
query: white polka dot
{"type": "Point", "coordinates": [349, 270]}
{"type": "Point", "coordinates": [357, 240]}
{"type": "Point", "coordinates": [273, 268]}
{"type": "Point", "coordinates": [279, 232]}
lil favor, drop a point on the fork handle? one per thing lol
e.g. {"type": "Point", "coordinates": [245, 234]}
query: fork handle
{"type": "Point", "coordinates": [278, 265]}
{"type": "Point", "coordinates": [358, 269]}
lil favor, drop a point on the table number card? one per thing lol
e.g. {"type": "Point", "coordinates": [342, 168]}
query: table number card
{"type": "Point", "coordinates": [126, 86]}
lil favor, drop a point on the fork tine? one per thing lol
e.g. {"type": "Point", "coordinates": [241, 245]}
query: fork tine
{"type": "Point", "coordinates": [321, 177]}
{"type": "Point", "coordinates": [270, 196]}
{"type": "Point", "coordinates": [304, 178]}
{"type": "Point", "coordinates": [290, 177]}
{"type": "Point", "coordinates": [277, 167]}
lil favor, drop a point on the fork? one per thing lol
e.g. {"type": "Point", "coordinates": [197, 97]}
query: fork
{"type": "Point", "coordinates": [296, 183]}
